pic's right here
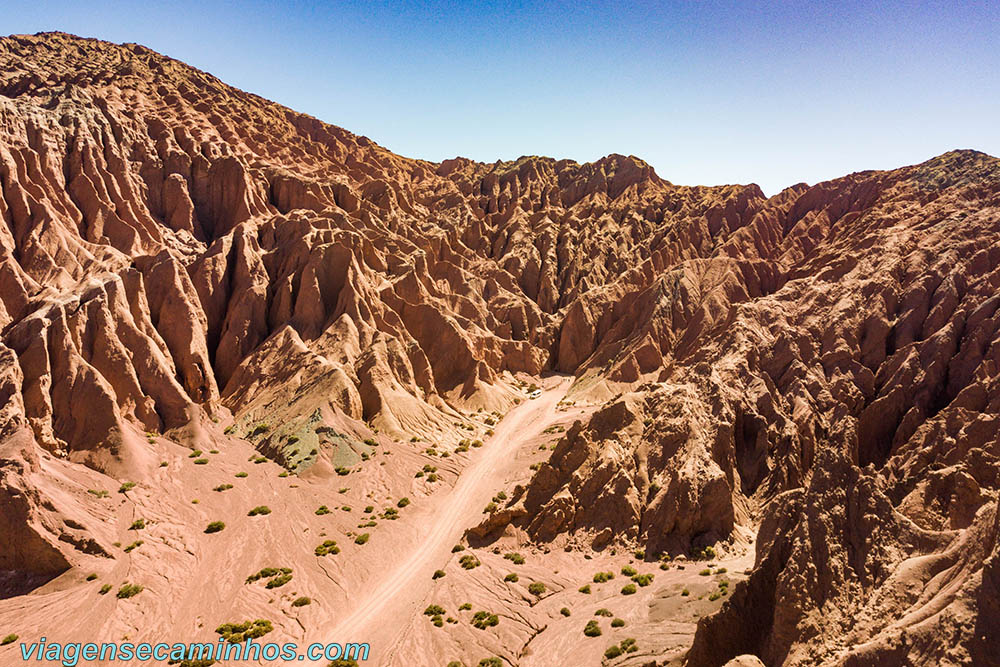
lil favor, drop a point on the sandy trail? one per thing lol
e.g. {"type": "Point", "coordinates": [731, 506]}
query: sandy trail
{"type": "Point", "coordinates": [385, 609]}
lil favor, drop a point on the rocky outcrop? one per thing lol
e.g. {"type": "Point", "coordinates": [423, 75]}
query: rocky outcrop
{"type": "Point", "coordinates": [823, 365]}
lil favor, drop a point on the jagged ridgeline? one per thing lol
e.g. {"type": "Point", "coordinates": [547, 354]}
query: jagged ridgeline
{"type": "Point", "coordinates": [823, 364]}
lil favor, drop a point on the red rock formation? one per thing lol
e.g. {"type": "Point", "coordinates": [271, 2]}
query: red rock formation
{"type": "Point", "coordinates": [824, 363]}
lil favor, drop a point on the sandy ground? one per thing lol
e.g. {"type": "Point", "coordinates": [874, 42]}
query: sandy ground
{"type": "Point", "coordinates": [373, 592]}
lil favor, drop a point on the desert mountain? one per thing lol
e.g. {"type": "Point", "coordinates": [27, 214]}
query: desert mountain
{"type": "Point", "coordinates": [811, 380]}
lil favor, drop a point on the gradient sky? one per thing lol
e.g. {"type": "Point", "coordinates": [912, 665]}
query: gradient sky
{"type": "Point", "coordinates": [707, 92]}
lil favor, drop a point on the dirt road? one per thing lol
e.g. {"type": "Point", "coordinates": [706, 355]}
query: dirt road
{"type": "Point", "coordinates": [385, 609]}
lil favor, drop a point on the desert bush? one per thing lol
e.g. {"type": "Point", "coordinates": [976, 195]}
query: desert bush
{"type": "Point", "coordinates": [512, 577]}
{"type": "Point", "coordinates": [628, 570]}
{"type": "Point", "coordinates": [105, 588]}
{"type": "Point", "coordinates": [617, 623]}
{"type": "Point", "coordinates": [342, 471]}
{"type": "Point", "coordinates": [126, 487]}
{"type": "Point", "coordinates": [721, 570]}
{"type": "Point", "coordinates": [490, 662]}
{"type": "Point", "coordinates": [514, 557]}
{"type": "Point", "coordinates": [643, 579]}
{"type": "Point", "coordinates": [438, 574]}
{"type": "Point", "coordinates": [601, 577]}
{"type": "Point", "coordinates": [241, 474]}
{"type": "Point", "coordinates": [465, 606]}
{"type": "Point", "coordinates": [484, 619]}
{"type": "Point", "coordinates": [536, 588]}
{"type": "Point", "coordinates": [301, 602]}
{"type": "Point", "coordinates": [195, 454]}
{"type": "Point", "coordinates": [138, 524]}
{"type": "Point", "coordinates": [585, 589]}
{"type": "Point", "coordinates": [468, 562]}
{"type": "Point", "coordinates": [102, 493]}
{"type": "Point", "coordinates": [322, 509]}
{"type": "Point", "coordinates": [278, 581]}
{"type": "Point", "coordinates": [434, 610]}
{"type": "Point", "coordinates": [260, 459]}
{"type": "Point", "coordinates": [9, 639]}
{"type": "Point", "coordinates": [260, 510]}
{"type": "Point", "coordinates": [223, 487]}
{"type": "Point", "coordinates": [713, 597]}
{"type": "Point", "coordinates": [592, 629]}
{"type": "Point", "coordinates": [237, 633]}
{"type": "Point", "coordinates": [91, 576]}
{"type": "Point", "coordinates": [133, 546]}
{"type": "Point", "coordinates": [685, 592]}
{"type": "Point", "coordinates": [403, 502]}
{"type": "Point", "coordinates": [628, 589]}
{"type": "Point", "coordinates": [458, 547]}
{"type": "Point", "coordinates": [603, 612]}
{"type": "Point", "coordinates": [327, 547]}
{"type": "Point", "coordinates": [613, 651]}
{"type": "Point", "coordinates": [215, 527]}
{"type": "Point", "coordinates": [127, 590]}
{"type": "Point", "coordinates": [362, 538]}
{"type": "Point", "coordinates": [705, 572]}
{"type": "Point", "coordinates": [200, 462]}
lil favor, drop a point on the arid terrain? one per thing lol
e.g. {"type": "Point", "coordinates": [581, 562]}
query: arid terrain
{"type": "Point", "coordinates": [768, 428]}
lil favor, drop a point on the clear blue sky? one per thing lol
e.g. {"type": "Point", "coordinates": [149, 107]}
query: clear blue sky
{"type": "Point", "coordinates": [771, 92]}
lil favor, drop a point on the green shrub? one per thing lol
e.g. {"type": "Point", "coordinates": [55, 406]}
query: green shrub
{"type": "Point", "coordinates": [369, 509]}
{"type": "Point", "coordinates": [512, 577]}
{"type": "Point", "coordinates": [126, 487]}
{"type": "Point", "coordinates": [9, 639]}
{"type": "Point", "coordinates": [592, 629]}
{"type": "Point", "coordinates": [468, 562]}
{"type": "Point", "coordinates": [629, 645]}
{"type": "Point", "coordinates": [403, 502]}
{"type": "Point", "coordinates": [585, 589]}
{"type": "Point", "coordinates": [721, 570]}
{"type": "Point", "coordinates": [201, 462]}
{"type": "Point", "coordinates": [102, 493]}
{"type": "Point", "coordinates": [241, 474]}
{"type": "Point", "coordinates": [484, 619]}
{"type": "Point", "coordinates": [565, 611]}
{"type": "Point", "coordinates": [685, 592]}
{"type": "Point", "coordinates": [195, 454]}
{"type": "Point", "coordinates": [215, 527]}
{"type": "Point", "coordinates": [458, 547]}
{"type": "Point", "coordinates": [515, 558]}
{"type": "Point", "coordinates": [437, 574]}
{"type": "Point", "coordinates": [643, 579]}
{"type": "Point", "coordinates": [536, 588]}
{"type": "Point", "coordinates": [278, 581]}
{"type": "Point", "coordinates": [342, 471]}
{"type": "Point", "coordinates": [362, 538]}
{"type": "Point", "coordinates": [328, 547]}
{"type": "Point", "coordinates": [262, 427]}
{"type": "Point", "coordinates": [138, 524]}
{"type": "Point", "coordinates": [237, 633]}
{"type": "Point", "coordinates": [617, 623]}
{"type": "Point", "coordinates": [260, 459]}
{"type": "Point", "coordinates": [129, 590]}
{"type": "Point", "coordinates": [465, 606]}
{"type": "Point", "coordinates": [345, 508]}
{"type": "Point", "coordinates": [434, 610]}
{"type": "Point", "coordinates": [490, 508]}
{"type": "Point", "coordinates": [628, 589]}
{"type": "Point", "coordinates": [260, 510]}
{"type": "Point", "coordinates": [613, 651]}
{"type": "Point", "coordinates": [705, 572]}
{"type": "Point", "coordinates": [628, 570]}
{"type": "Point", "coordinates": [322, 509]}
{"type": "Point", "coordinates": [603, 612]}
{"type": "Point", "coordinates": [223, 487]}
{"type": "Point", "coordinates": [491, 662]}
{"type": "Point", "coordinates": [601, 577]}
{"type": "Point", "coordinates": [105, 588]}
{"type": "Point", "coordinates": [91, 576]}
{"type": "Point", "coordinates": [134, 545]}
{"type": "Point", "coordinates": [301, 602]}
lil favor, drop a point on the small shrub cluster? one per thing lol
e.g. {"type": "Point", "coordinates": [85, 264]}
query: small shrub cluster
{"type": "Point", "coordinates": [601, 577]}
{"type": "Point", "coordinates": [327, 547]}
{"type": "Point", "coordinates": [536, 588]}
{"type": "Point", "coordinates": [276, 576]}
{"type": "Point", "coordinates": [515, 558]}
{"type": "Point", "coordinates": [626, 646]}
{"type": "Point", "coordinates": [215, 527]}
{"type": "Point", "coordinates": [223, 487]}
{"type": "Point", "coordinates": [237, 633]}
{"type": "Point", "coordinates": [484, 619]}
{"type": "Point", "coordinates": [260, 510]}
{"type": "Point", "coordinates": [592, 629]}
{"type": "Point", "coordinates": [362, 538]}
{"type": "Point", "coordinates": [127, 590]}
{"type": "Point", "coordinates": [468, 562]}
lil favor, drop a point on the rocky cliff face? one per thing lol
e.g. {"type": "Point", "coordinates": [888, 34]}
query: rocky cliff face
{"type": "Point", "coordinates": [823, 364]}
